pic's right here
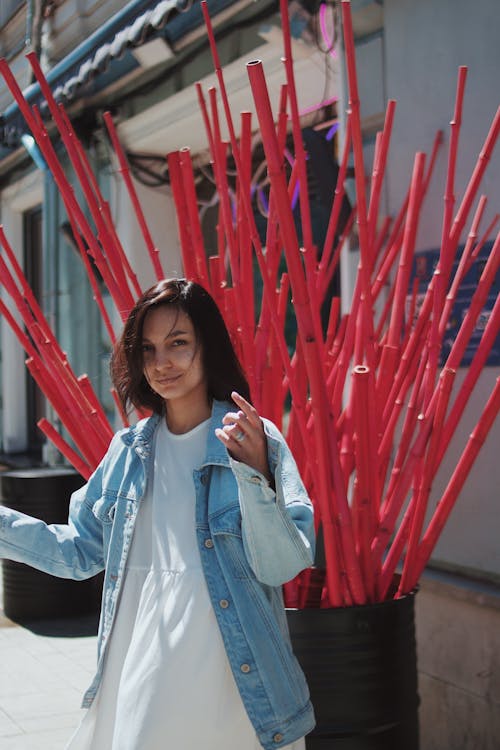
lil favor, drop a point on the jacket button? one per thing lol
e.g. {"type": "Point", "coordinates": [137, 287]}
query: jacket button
{"type": "Point", "coordinates": [204, 478]}
{"type": "Point", "coordinates": [224, 603]}
{"type": "Point", "coordinates": [245, 668]}
{"type": "Point", "coordinates": [278, 737]}
{"type": "Point", "coordinates": [208, 543]}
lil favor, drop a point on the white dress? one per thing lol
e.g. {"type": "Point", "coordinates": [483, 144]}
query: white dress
{"type": "Point", "coordinates": [167, 683]}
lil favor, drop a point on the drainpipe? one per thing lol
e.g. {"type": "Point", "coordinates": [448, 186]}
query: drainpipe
{"type": "Point", "coordinates": [29, 21]}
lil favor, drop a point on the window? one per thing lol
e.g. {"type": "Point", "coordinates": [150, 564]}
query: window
{"type": "Point", "coordinates": [35, 400]}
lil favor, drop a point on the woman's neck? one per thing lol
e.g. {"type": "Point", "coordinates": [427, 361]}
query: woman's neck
{"type": "Point", "coordinates": [183, 418]}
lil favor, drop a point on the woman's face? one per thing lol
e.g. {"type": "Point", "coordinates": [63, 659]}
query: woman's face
{"type": "Point", "coordinates": [172, 358]}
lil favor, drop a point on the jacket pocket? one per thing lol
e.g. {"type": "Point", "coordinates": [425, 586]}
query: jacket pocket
{"type": "Point", "coordinates": [104, 510]}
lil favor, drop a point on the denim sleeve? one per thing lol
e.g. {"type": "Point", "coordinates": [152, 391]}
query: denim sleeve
{"type": "Point", "coordinates": [277, 526]}
{"type": "Point", "coordinates": [72, 550]}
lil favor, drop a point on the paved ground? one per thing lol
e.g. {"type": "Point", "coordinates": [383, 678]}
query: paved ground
{"type": "Point", "coordinates": [44, 669]}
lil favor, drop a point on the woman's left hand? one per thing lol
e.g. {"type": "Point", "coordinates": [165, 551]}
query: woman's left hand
{"type": "Point", "coordinates": [244, 437]}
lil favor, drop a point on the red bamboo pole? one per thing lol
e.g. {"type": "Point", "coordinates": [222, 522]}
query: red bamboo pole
{"type": "Point", "coordinates": [25, 290]}
{"type": "Point", "coordinates": [119, 407]}
{"type": "Point", "coordinates": [394, 245]}
{"type": "Point", "coordinates": [96, 406]}
{"type": "Point", "coordinates": [244, 242]}
{"type": "Point", "coordinates": [357, 139]}
{"type": "Point", "coordinates": [479, 245]}
{"type": "Point", "coordinates": [475, 180]}
{"type": "Point", "coordinates": [421, 499]}
{"type": "Point", "coordinates": [65, 188]}
{"type": "Point", "coordinates": [447, 250]}
{"type": "Point", "coordinates": [333, 322]}
{"type": "Point", "coordinates": [26, 313]}
{"type": "Point", "coordinates": [463, 266]}
{"type": "Point", "coordinates": [360, 179]}
{"type": "Point", "coordinates": [219, 159]}
{"type": "Point", "coordinates": [378, 175]}
{"type": "Point", "coordinates": [414, 380]}
{"type": "Point", "coordinates": [381, 331]}
{"type": "Point", "coordinates": [334, 354]}
{"type": "Point", "coordinates": [364, 494]}
{"type": "Point", "coordinates": [18, 331]}
{"type": "Point", "coordinates": [346, 352]}
{"type": "Point", "coordinates": [477, 303]}
{"type": "Point", "coordinates": [411, 311]}
{"type": "Point", "coordinates": [51, 433]}
{"type": "Point", "coordinates": [206, 119]}
{"type": "Point", "coordinates": [193, 216]}
{"type": "Point", "coordinates": [455, 124]}
{"type": "Point", "coordinates": [300, 156]}
{"type": "Point", "coordinates": [247, 205]}
{"type": "Point", "coordinates": [103, 206]}
{"type": "Point", "coordinates": [153, 251]}
{"type": "Point", "coordinates": [309, 342]}
{"type": "Point", "coordinates": [392, 558]}
{"type": "Point", "coordinates": [403, 275]}
{"type": "Point", "coordinates": [80, 410]}
{"type": "Point", "coordinates": [108, 245]}
{"type": "Point", "coordinates": [488, 339]}
{"type": "Point", "coordinates": [179, 196]}
{"type": "Point", "coordinates": [393, 504]}
{"type": "Point", "coordinates": [332, 266]}
{"type": "Point", "coordinates": [458, 479]}
{"type": "Point", "coordinates": [64, 408]}
{"type": "Point", "coordinates": [92, 280]}
{"type": "Point", "coordinates": [381, 238]}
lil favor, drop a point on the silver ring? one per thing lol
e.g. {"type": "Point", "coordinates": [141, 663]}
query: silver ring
{"type": "Point", "coordinates": [240, 436]}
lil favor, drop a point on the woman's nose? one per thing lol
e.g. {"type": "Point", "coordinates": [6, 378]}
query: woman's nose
{"type": "Point", "coordinates": [162, 359]}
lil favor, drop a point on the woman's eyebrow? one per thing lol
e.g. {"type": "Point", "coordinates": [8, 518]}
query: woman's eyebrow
{"type": "Point", "coordinates": [171, 334]}
{"type": "Point", "coordinates": [177, 332]}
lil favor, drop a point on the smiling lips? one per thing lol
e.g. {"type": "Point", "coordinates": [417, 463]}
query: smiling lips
{"type": "Point", "coordinates": [167, 381]}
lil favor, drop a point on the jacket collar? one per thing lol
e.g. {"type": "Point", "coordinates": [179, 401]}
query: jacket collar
{"type": "Point", "coordinates": [140, 436]}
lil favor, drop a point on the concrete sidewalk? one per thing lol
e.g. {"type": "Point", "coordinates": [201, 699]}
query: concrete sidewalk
{"type": "Point", "coordinates": [45, 667]}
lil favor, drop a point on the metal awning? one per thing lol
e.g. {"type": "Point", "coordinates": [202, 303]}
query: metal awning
{"type": "Point", "coordinates": [102, 58]}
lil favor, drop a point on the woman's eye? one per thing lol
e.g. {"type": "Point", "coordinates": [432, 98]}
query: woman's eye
{"type": "Point", "coordinates": [179, 342]}
{"type": "Point", "coordinates": [146, 348]}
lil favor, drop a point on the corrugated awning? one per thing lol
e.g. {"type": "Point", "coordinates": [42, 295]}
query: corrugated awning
{"type": "Point", "coordinates": [146, 25]}
{"type": "Point", "coordinates": [89, 67]}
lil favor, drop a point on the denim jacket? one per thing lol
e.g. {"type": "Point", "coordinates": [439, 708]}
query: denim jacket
{"type": "Point", "coordinates": [251, 539]}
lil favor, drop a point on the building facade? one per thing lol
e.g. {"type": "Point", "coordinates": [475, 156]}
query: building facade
{"type": "Point", "coordinates": [140, 61]}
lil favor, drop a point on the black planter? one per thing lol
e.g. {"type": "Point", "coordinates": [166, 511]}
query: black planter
{"type": "Point", "coordinates": [361, 666]}
{"type": "Point", "coordinates": [29, 594]}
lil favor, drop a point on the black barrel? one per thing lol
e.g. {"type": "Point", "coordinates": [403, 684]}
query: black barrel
{"type": "Point", "coordinates": [361, 666]}
{"type": "Point", "coordinates": [29, 594]}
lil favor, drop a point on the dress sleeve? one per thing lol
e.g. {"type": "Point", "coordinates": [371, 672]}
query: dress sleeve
{"type": "Point", "coordinates": [277, 525]}
{"type": "Point", "coordinates": [71, 550]}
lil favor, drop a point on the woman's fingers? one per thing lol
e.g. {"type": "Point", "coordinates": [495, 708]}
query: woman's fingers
{"type": "Point", "coordinates": [236, 425]}
{"type": "Point", "coordinates": [248, 410]}
{"type": "Point", "coordinates": [243, 435]}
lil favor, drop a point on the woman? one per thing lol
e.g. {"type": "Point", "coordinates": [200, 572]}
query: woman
{"type": "Point", "coordinates": [198, 515]}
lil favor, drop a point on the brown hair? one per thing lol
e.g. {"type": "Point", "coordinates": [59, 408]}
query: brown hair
{"type": "Point", "coordinates": [221, 366]}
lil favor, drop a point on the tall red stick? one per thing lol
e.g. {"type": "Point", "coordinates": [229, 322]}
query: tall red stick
{"type": "Point", "coordinates": [153, 251]}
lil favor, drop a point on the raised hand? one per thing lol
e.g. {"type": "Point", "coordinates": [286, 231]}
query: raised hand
{"type": "Point", "coordinates": [244, 437]}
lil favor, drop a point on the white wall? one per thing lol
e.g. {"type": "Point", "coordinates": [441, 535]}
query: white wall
{"type": "Point", "coordinates": [159, 211]}
{"type": "Point", "coordinates": [425, 43]}
{"type": "Point", "coordinates": [14, 201]}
